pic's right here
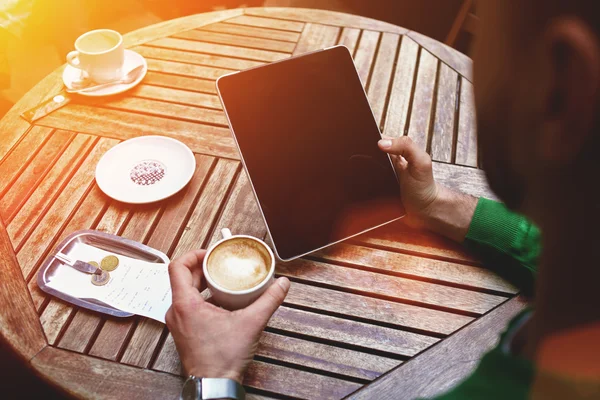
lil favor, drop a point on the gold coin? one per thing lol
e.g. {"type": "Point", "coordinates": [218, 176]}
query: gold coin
{"type": "Point", "coordinates": [102, 279]}
{"type": "Point", "coordinates": [109, 263]}
{"type": "Point", "coordinates": [94, 263]}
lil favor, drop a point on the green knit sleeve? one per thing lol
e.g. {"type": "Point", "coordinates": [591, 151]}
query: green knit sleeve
{"type": "Point", "coordinates": [506, 242]}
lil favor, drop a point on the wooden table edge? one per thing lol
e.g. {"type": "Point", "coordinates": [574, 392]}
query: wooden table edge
{"type": "Point", "coordinates": [54, 366]}
{"type": "Point", "coordinates": [173, 26]}
{"type": "Point", "coordinates": [25, 341]}
{"type": "Point", "coordinates": [285, 13]}
{"type": "Point", "coordinates": [386, 386]}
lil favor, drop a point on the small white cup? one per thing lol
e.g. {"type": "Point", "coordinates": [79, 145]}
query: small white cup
{"type": "Point", "coordinates": [99, 54]}
{"type": "Point", "coordinates": [236, 299]}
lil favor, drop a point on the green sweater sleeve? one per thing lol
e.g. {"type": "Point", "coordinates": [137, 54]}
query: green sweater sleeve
{"type": "Point", "coordinates": [506, 242]}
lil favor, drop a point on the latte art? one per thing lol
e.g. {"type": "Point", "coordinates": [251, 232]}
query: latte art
{"type": "Point", "coordinates": [239, 264]}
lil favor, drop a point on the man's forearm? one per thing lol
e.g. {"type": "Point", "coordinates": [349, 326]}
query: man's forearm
{"type": "Point", "coordinates": [451, 214]}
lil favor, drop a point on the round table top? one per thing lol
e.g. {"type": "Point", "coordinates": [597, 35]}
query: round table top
{"type": "Point", "coordinates": [354, 311]}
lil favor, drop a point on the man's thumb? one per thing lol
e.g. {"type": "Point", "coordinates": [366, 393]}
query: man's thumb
{"type": "Point", "coordinates": [269, 301]}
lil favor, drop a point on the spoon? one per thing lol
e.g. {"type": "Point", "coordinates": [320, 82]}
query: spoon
{"type": "Point", "coordinates": [130, 77]}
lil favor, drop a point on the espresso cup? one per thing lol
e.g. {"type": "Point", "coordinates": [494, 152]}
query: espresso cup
{"type": "Point", "coordinates": [99, 54]}
{"type": "Point", "coordinates": [238, 269]}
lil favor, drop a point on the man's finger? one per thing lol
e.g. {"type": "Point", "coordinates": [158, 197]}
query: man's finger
{"type": "Point", "coordinates": [405, 147]}
{"type": "Point", "coordinates": [269, 301]}
{"type": "Point", "coordinates": [185, 273]}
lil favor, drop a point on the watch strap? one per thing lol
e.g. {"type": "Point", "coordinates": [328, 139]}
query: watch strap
{"type": "Point", "coordinates": [222, 388]}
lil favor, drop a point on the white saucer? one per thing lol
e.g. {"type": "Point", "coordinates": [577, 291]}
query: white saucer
{"type": "Point", "coordinates": [145, 169]}
{"type": "Point", "coordinates": [132, 60]}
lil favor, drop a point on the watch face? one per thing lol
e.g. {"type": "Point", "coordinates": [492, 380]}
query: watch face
{"type": "Point", "coordinates": [191, 390]}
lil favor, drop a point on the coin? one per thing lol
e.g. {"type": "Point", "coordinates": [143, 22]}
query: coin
{"type": "Point", "coordinates": [94, 263]}
{"type": "Point", "coordinates": [109, 263]}
{"type": "Point", "coordinates": [102, 279]}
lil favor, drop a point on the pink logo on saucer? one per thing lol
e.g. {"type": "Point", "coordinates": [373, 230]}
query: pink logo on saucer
{"type": "Point", "coordinates": [147, 172]}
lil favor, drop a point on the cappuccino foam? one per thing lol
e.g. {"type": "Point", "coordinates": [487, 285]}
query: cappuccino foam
{"type": "Point", "coordinates": [239, 264]}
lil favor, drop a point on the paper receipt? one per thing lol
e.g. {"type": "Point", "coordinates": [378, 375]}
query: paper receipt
{"type": "Point", "coordinates": [136, 286]}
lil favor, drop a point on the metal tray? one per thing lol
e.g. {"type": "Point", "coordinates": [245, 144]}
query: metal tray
{"type": "Point", "coordinates": [114, 244]}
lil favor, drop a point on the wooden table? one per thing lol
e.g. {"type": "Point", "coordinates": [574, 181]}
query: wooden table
{"type": "Point", "coordinates": [389, 300]}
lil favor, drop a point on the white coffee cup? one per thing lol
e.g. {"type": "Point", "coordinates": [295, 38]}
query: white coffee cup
{"type": "Point", "coordinates": [236, 299]}
{"type": "Point", "coordinates": [99, 54]}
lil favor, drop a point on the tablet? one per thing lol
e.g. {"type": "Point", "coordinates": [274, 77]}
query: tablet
{"type": "Point", "coordinates": [308, 142]}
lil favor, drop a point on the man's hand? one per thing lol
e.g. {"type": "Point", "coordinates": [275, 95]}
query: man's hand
{"type": "Point", "coordinates": [414, 168]}
{"type": "Point", "coordinates": [427, 203]}
{"type": "Point", "coordinates": [213, 342]}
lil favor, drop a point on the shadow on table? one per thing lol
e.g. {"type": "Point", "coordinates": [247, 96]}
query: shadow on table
{"type": "Point", "coordinates": [18, 382]}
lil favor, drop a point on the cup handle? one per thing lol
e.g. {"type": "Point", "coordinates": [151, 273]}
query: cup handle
{"type": "Point", "coordinates": [226, 233]}
{"type": "Point", "coordinates": [73, 59]}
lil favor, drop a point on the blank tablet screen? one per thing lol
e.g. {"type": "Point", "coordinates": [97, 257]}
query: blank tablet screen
{"type": "Point", "coordinates": [308, 140]}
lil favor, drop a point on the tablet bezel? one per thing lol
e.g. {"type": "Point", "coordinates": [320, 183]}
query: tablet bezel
{"type": "Point", "coordinates": [250, 177]}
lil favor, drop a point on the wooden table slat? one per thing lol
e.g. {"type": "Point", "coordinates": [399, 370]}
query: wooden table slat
{"type": "Point", "coordinates": [252, 396]}
{"type": "Point", "coordinates": [170, 110]}
{"type": "Point", "coordinates": [324, 357]}
{"type": "Point", "coordinates": [467, 180]}
{"type": "Point", "coordinates": [186, 97]}
{"type": "Point", "coordinates": [54, 318]}
{"type": "Point", "coordinates": [88, 212]}
{"type": "Point", "coordinates": [196, 65]}
{"type": "Point", "coordinates": [83, 376]}
{"type": "Point", "coordinates": [349, 38]}
{"type": "Point", "coordinates": [186, 69]}
{"type": "Point", "coordinates": [248, 222]}
{"type": "Point", "coordinates": [77, 335]}
{"type": "Point", "coordinates": [122, 125]}
{"type": "Point", "coordinates": [420, 118]}
{"type": "Point", "coordinates": [382, 74]}
{"type": "Point", "coordinates": [180, 82]}
{"type": "Point", "coordinates": [173, 220]}
{"type": "Point", "coordinates": [316, 37]}
{"type": "Point", "coordinates": [143, 342]}
{"type": "Point", "coordinates": [296, 383]}
{"type": "Point", "coordinates": [235, 40]}
{"type": "Point", "coordinates": [402, 88]}
{"type": "Point", "coordinates": [442, 140]}
{"type": "Point", "coordinates": [455, 59]}
{"type": "Point", "coordinates": [434, 372]}
{"type": "Point", "coordinates": [20, 328]}
{"type": "Point", "coordinates": [398, 236]}
{"type": "Point", "coordinates": [14, 127]}
{"type": "Point", "coordinates": [391, 287]}
{"type": "Point", "coordinates": [270, 23]}
{"type": "Point", "coordinates": [365, 54]}
{"type": "Point", "coordinates": [34, 174]}
{"type": "Point", "coordinates": [252, 31]}
{"type": "Point", "coordinates": [21, 155]}
{"type": "Point", "coordinates": [198, 228]}
{"type": "Point", "coordinates": [42, 197]}
{"type": "Point", "coordinates": [466, 146]}
{"type": "Point", "coordinates": [51, 224]}
{"type": "Point", "coordinates": [305, 353]}
{"type": "Point", "coordinates": [369, 309]}
{"type": "Point", "coordinates": [350, 332]}
{"type": "Point", "coordinates": [220, 49]}
{"type": "Point", "coordinates": [330, 17]}
{"type": "Point", "coordinates": [413, 266]}
{"type": "Point", "coordinates": [177, 25]}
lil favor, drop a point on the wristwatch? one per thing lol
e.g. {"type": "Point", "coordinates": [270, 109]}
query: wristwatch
{"type": "Point", "coordinates": [196, 388]}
